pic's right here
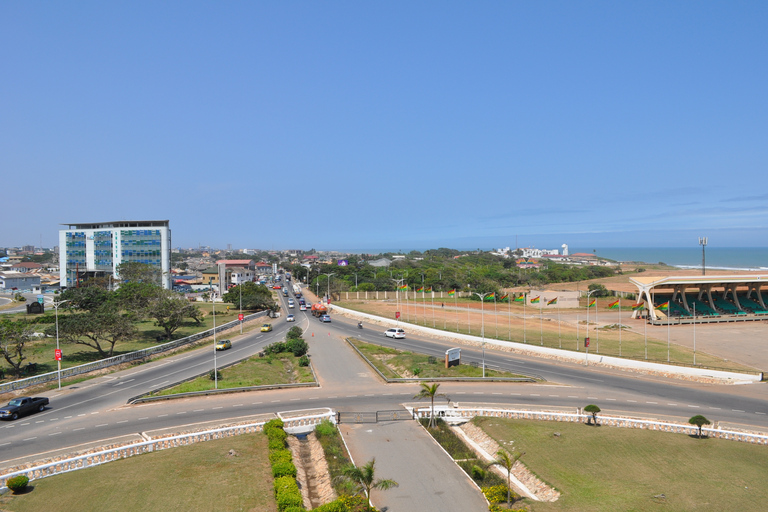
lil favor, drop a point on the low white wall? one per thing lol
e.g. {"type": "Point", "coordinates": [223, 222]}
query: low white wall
{"type": "Point", "coordinates": [576, 357]}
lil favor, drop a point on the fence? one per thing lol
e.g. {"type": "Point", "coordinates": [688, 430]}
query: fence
{"type": "Point", "coordinates": [580, 417]}
{"type": "Point", "coordinates": [123, 358]}
{"type": "Point", "coordinates": [129, 450]}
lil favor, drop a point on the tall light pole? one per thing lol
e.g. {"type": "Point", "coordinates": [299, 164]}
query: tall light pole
{"type": "Point", "coordinates": [703, 244]}
{"type": "Point", "coordinates": [328, 293]}
{"type": "Point", "coordinates": [213, 307]}
{"type": "Point", "coordinates": [240, 287]}
{"type": "Point", "coordinates": [58, 361]}
{"type": "Point", "coordinates": [586, 348]}
{"type": "Point", "coordinates": [482, 323]}
{"type": "Point", "coordinates": [397, 299]}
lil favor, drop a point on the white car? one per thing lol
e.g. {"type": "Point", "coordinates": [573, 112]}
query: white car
{"type": "Point", "coordinates": [302, 308]}
{"type": "Point", "coordinates": [290, 318]}
{"type": "Point", "coordinates": [395, 333]}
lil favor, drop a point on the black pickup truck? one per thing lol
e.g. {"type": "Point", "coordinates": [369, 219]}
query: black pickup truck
{"type": "Point", "coordinates": [21, 406]}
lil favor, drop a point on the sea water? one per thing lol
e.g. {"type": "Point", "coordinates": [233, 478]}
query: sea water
{"type": "Point", "coordinates": [726, 258]}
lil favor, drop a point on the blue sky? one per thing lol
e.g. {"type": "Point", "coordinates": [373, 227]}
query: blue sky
{"type": "Point", "coordinates": [388, 125]}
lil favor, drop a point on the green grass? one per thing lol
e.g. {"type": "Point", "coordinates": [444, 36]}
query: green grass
{"type": "Point", "coordinates": [255, 371]}
{"type": "Point", "coordinates": [200, 477]}
{"type": "Point", "coordinates": [400, 364]}
{"type": "Point", "coordinates": [611, 469]}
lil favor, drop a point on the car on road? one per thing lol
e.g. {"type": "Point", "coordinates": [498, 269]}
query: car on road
{"type": "Point", "coordinates": [291, 304]}
{"type": "Point", "coordinates": [223, 344]}
{"type": "Point", "coordinates": [395, 333]}
{"type": "Point", "coordinates": [266, 327]}
{"type": "Point", "coordinates": [302, 307]}
{"type": "Point", "coordinates": [325, 318]}
{"type": "Point", "coordinates": [23, 405]}
{"type": "Point", "coordinates": [276, 287]}
{"type": "Point", "coordinates": [290, 318]}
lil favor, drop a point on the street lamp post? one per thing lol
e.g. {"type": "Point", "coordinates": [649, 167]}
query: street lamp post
{"type": "Point", "coordinates": [586, 348]}
{"type": "Point", "coordinates": [58, 362]}
{"type": "Point", "coordinates": [328, 293]}
{"type": "Point", "coordinates": [240, 287]}
{"type": "Point", "coordinates": [482, 324]}
{"type": "Point", "coordinates": [397, 299]}
{"type": "Point", "coordinates": [213, 307]}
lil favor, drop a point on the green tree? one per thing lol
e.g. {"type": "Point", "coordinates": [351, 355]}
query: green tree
{"type": "Point", "coordinates": [133, 272]}
{"type": "Point", "coordinates": [13, 338]}
{"type": "Point", "coordinates": [256, 297]}
{"type": "Point", "coordinates": [100, 329]}
{"type": "Point", "coordinates": [364, 478]}
{"type": "Point", "coordinates": [593, 410]}
{"type": "Point", "coordinates": [430, 391]}
{"type": "Point", "coordinates": [507, 461]}
{"type": "Point", "coordinates": [294, 332]}
{"type": "Point", "coordinates": [85, 298]}
{"type": "Point", "coordinates": [699, 421]}
{"type": "Point", "coordinates": [169, 310]}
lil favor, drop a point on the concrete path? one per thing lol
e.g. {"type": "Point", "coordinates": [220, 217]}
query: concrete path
{"type": "Point", "coordinates": [429, 480]}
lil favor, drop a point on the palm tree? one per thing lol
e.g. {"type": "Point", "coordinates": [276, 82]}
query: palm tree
{"type": "Point", "coordinates": [430, 391]}
{"type": "Point", "coordinates": [699, 421]}
{"type": "Point", "coordinates": [364, 477]}
{"type": "Point", "coordinates": [505, 460]}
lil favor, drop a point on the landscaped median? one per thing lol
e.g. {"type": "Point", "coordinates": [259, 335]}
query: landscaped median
{"type": "Point", "coordinates": [404, 366]}
{"type": "Point", "coordinates": [281, 364]}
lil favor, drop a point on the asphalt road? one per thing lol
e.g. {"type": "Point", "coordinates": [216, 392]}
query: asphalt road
{"type": "Point", "coordinates": [94, 412]}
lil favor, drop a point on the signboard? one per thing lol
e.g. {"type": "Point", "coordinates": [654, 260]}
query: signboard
{"type": "Point", "coordinates": [343, 263]}
{"type": "Point", "coordinates": [40, 299]}
{"type": "Point", "coordinates": [452, 357]}
{"type": "Point", "coordinates": [58, 354]}
{"type": "Point", "coordinates": [240, 317]}
{"type": "Point", "coordinates": [397, 315]}
{"type": "Point", "coordinates": [586, 342]}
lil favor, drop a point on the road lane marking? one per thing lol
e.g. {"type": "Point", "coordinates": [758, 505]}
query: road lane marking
{"type": "Point", "coordinates": [736, 410]}
{"type": "Point", "coordinates": [292, 400]}
{"type": "Point", "coordinates": [515, 394]}
{"type": "Point", "coordinates": [572, 396]}
{"type": "Point", "coordinates": [144, 418]}
{"type": "Point", "coordinates": [182, 412]}
{"type": "Point", "coordinates": [76, 429]}
{"type": "Point", "coordinates": [758, 412]}
{"type": "Point", "coordinates": [315, 398]}
{"type": "Point", "coordinates": [240, 405]}
{"type": "Point", "coordinates": [495, 393]}
{"type": "Point", "coordinates": [29, 439]}
{"type": "Point", "coordinates": [54, 434]}
{"type": "Point", "coordinates": [123, 421]}
{"type": "Point", "coordinates": [40, 421]}
{"type": "Point", "coordinates": [555, 396]}
{"type": "Point", "coordinates": [633, 401]}
{"type": "Point", "coordinates": [4, 444]}
{"type": "Point", "coordinates": [198, 410]}
{"type": "Point", "coordinates": [162, 415]}
{"type": "Point", "coordinates": [351, 396]}
{"type": "Point", "coordinates": [275, 401]}
{"type": "Point", "coordinates": [102, 425]}
{"type": "Point", "coordinates": [535, 394]}
{"type": "Point", "coordinates": [610, 399]}
{"type": "Point", "coordinates": [218, 408]}
{"type": "Point", "coordinates": [257, 403]}
{"type": "Point", "coordinates": [651, 402]}
{"type": "Point", "coordinates": [668, 403]}
{"type": "Point", "coordinates": [80, 415]}
{"type": "Point", "coordinates": [592, 398]}
{"type": "Point", "coordinates": [696, 406]}
{"type": "Point", "coordinates": [715, 408]}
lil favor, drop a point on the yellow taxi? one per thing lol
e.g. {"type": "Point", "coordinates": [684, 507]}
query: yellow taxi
{"type": "Point", "coordinates": [266, 327]}
{"type": "Point", "coordinates": [223, 344]}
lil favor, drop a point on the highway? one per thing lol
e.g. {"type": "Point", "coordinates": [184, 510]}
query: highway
{"type": "Point", "coordinates": [94, 412]}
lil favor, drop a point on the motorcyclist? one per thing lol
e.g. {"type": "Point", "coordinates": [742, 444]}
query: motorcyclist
{"type": "Point", "coordinates": [359, 325]}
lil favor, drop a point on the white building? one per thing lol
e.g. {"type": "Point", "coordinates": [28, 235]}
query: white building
{"type": "Point", "coordinates": [96, 249]}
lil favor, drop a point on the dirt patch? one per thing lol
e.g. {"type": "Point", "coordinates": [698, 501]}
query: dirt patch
{"type": "Point", "coordinates": [312, 471]}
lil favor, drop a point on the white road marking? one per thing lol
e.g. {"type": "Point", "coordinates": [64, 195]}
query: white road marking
{"type": "Point", "coordinates": [556, 396]}
{"type": "Point", "coordinates": [29, 439]}
{"type": "Point", "coordinates": [198, 410]}
{"type": "Point", "coordinates": [162, 415]}
{"type": "Point", "coordinates": [651, 402]}
{"type": "Point", "coordinates": [758, 412]}
{"type": "Point", "coordinates": [123, 421]}
{"type": "Point", "coordinates": [696, 406]}
{"type": "Point", "coordinates": [102, 425]}
{"type": "Point", "coordinates": [218, 408]}
{"type": "Point", "coordinates": [535, 394]}
{"type": "Point", "coordinates": [240, 405]}
{"type": "Point", "coordinates": [736, 410]}
{"type": "Point", "coordinates": [610, 399]}
{"type": "Point", "coordinates": [633, 401]}
{"type": "Point", "coordinates": [144, 418]}
{"type": "Point", "coordinates": [715, 408]}
{"type": "Point", "coordinates": [572, 396]}
{"type": "Point", "coordinates": [76, 429]}
{"type": "Point", "coordinates": [3, 444]}
{"type": "Point", "coordinates": [182, 412]}
{"type": "Point", "coordinates": [54, 434]}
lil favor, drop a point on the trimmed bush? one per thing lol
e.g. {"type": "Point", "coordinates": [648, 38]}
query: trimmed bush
{"type": "Point", "coordinates": [271, 425]}
{"type": "Point", "coordinates": [17, 483]}
{"type": "Point", "coordinates": [283, 468]}
{"type": "Point", "coordinates": [304, 361]}
{"type": "Point", "coordinates": [298, 347]}
{"type": "Point", "coordinates": [345, 503]}
{"type": "Point", "coordinates": [280, 456]}
{"type": "Point", "coordinates": [276, 444]}
{"type": "Point", "coordinates": [294, 332]}
{"type": "Point", "coordinates": [287, 493]}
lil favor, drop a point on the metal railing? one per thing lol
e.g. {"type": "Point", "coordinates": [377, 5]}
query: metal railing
{"type": "Point", "coordinates": [122, 358]}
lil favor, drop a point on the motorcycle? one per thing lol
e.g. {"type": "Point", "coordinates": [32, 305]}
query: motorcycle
{"type": "Point", "coordinates": [359, 325]}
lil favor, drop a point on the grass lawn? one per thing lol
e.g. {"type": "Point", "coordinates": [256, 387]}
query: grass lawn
{"type": "Point", "coordinates": [255, 371]}
{"type": "Point", "coordinates": [612, 469]}
{"type": "Point", "coordinates": [199, 477]}
{"type": "Point", "coordinates": [395, 364]}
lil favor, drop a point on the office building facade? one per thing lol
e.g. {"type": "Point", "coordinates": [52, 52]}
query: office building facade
{"type": "Point", "coordinates": [97, 249]}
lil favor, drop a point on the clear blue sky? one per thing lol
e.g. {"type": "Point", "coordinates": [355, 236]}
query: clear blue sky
{"type": "Point", "coordinates": [388, 125]}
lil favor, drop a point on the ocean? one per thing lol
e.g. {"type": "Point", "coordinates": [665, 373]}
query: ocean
{"type": "Point", "coordinates": [725, 258]}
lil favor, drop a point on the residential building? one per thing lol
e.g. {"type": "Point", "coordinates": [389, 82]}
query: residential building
{"type": "Point", "coordinates": [97, 249]}
{"type": "Point", "coordinates": [19, 281]}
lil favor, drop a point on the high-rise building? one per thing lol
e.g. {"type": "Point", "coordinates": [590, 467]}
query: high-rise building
{"type": "Point", "coordinates": [96, 249]}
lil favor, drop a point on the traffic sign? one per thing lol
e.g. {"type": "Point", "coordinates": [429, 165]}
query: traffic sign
{"type": "Point", "coordinates": [58, 354]}
{"type": "Point", "coordinates": [397, 314]}
{"type": "Point", "coordinates": [40, 299]}
{"type": "Point", "coordinates": [586, 342]}
{"type": "Point", "coordinates": [240, 317]}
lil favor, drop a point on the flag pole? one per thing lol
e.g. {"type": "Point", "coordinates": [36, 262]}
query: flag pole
{"type": "Point", "coordinates": [619, 326]}
{"type": "Point", "coordinates": [525, 299]}
{"type": "Point", "coordinates": [509, 317]}
{"type": "Point", "coordinates": [541, 321]}
{"type": "Point", "coordinates": [495, 316]}
{"type": "Point", "coordinates": [559, 339]}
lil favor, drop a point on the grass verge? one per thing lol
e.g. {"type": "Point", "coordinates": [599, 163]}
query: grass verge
{"type": "Point", "coordinates": [190, 478]}
{"type": "Point", "coordinates": [609, 469]}
{"type": "Point", "coordinates": [395, 364]}
{"type": "Point", "coordinates": [280, 368]}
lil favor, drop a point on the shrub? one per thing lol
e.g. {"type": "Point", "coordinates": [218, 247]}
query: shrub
{"type": "Point", "coordinates": [287, 493]}
{"type": "Point", "coordinates": [294, 333]}
{"type": "Point", "coordinates": [498, 494]}
{"type": "Point", "coordinates": [17, 483]}
{"type": "Point", "coordinates": [275, 348]}
{"type": "Point", "coordinates": [478, 473]}
{"type": "Point", "coordinates": [295, 509]}
{"type": "Point", "coordinates": [304, 361]}
{"type": "Point", "coordinates": [276, 444]}
{"type": "Point", "coordinates": [214, 376]}
{"type": "Point", "coordinates": [275, 423]}
{"type": "Point", "coordinates": [345, 503]}
{"type": "Point", "coordinates": [283, 455]}
{"type": "Point", "coordinates": [325, 428]}
{"type": "Point", "coordinates": [283, 468]}
{"type": "Point", "coordinates": [297, 346]}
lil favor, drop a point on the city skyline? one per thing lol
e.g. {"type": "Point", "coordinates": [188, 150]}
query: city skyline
{"type": "Point", "coordinates": [362, 127]}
